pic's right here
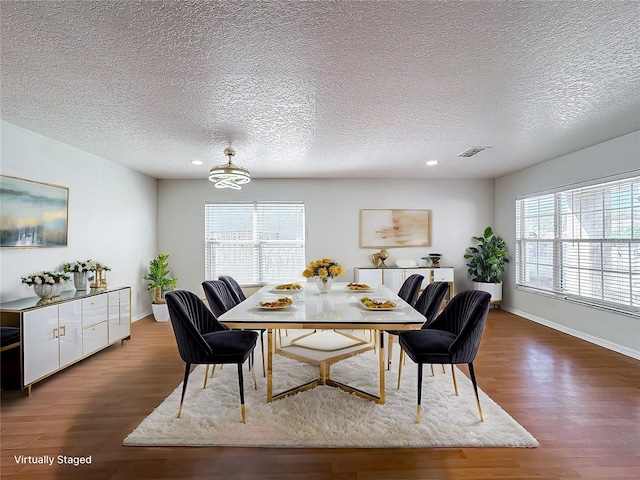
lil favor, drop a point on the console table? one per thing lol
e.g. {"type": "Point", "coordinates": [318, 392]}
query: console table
{"type": "Point", "coordinates": [58, 334]}
{"type": "Point", "coordinates": [394, 277]}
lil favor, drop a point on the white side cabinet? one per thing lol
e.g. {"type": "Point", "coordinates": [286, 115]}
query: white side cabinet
{"type": "Point", "coordinates": [94, 324]}
{"type": "Point", "coordinates": [119, 315]}
{"type": "Point", "coordinates": [393, 278]}
{"type": "Point", "coordinates": [57, 335]}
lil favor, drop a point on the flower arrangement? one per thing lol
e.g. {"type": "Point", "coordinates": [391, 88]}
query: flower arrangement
{"type": "Point", "coordinates": [323, 268]}
{"type": "Point", "coordinates": [46, 277]}
{"type": "Point", "coordinates": [84, 266]}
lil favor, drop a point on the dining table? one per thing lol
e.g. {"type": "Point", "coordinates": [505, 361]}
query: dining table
{"type": "Point", "coordinates": [308, 309]}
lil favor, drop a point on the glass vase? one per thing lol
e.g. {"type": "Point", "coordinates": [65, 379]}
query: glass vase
{"type": "Point", "coordinates": [324, 284]}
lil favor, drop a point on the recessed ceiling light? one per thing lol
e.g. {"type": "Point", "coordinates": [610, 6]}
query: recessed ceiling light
{"type": "Point", "coordinates": [431, 163]}
{"type": "Point", "coordinates": [197, 162]}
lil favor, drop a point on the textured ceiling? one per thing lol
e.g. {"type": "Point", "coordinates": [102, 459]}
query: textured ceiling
{"type": "Point", "coordinates": [323, 89]}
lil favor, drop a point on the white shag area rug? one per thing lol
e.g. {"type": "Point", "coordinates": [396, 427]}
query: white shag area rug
{"type": "Point", "coordinates": [330, 417]}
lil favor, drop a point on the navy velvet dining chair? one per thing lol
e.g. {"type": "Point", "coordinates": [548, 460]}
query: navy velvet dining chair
{"type": "Point", "coordinates": [409, 293]}
{"type": "Point", "coordinates": [220, 299]}
{"type": "Point", "coordinates": [452, 338]}
{"type": "Point", "coordinates": [202, 339]}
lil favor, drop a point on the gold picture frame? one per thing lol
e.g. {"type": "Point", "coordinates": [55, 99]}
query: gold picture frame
{"type": "Point", "coordinates": [385, 228]}
{"type": "Point", "coordinates": [33, 214]}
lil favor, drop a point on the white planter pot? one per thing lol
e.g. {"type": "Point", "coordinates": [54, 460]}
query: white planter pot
{"type": "Point", "coordinates": [495, 289]}
{"type": "Point", "coordinates": [160, 312]}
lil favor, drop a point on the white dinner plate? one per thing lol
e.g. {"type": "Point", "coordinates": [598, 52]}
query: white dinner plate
{"type": "Point", "coordinates": [360, 289]}
{"type": "Point", "coordinates": [287, 290]}
{"type": "Point", "coordinates": [265, 307]}
{"type": "Point", "coordinates": [376, 309]}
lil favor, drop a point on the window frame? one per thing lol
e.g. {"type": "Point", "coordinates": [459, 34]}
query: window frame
{"type": "Point", "coordinates": [257, 243]}
{"type": "Point", "coordinates": [571, 258]}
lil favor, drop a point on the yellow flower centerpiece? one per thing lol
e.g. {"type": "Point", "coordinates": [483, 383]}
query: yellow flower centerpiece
{"type": "Point", "coordinates": [324, 270]}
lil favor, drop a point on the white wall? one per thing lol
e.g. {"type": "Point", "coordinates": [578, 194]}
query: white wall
{"type": "Point", "coordinates": [112, 215]}
{"type": "Point", "coordinates": [615, 331]}
{"type": "Point", "coordinates": [460, 209]}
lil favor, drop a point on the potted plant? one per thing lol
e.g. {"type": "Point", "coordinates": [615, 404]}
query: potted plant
{"type": "Point", "coordinates": [486, 263]}
{"type": "Point", "coordinates": [160, 281]}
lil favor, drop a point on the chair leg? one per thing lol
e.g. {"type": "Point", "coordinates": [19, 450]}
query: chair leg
{"type": "Point", "coordinates": [241, 383]}
{"type": "Point", "coordinates": [213, 369]}
{"type": "Point", "coordinates": [432, 372]}
{"type": "Point", "coordinates": [255, 383]}
{"type": "Point", "coordinates": [418, 413]}
{"type": "Point", "coordinates": [206, 375]}
{"type": "Point", "coordinates": [400, 366]}
{"type": "Point", "coordinates": [453, 375]}
{"type": "Point", "coordinates": [475, 389]}
{"type": "Point", "coordinates": [390, 351]}
{"type": "Point", "coordinates": [184, 387]}
{"type": "Point", "coordinates": [264, 372]}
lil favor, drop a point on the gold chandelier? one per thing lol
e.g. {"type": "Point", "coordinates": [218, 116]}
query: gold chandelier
{"type": "Point", "coordinates": [229, 175]}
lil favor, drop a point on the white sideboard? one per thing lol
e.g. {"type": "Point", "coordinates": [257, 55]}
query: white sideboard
{"type": "Point", "coordinates": [56, 335]}
{"type": "Point", "coordinates": [394, 277]}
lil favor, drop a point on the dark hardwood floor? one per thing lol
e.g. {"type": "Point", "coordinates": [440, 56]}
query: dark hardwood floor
{"type": "Point", "coordinates": [580, 401]}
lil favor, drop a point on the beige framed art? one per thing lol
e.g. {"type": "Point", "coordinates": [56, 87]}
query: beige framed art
{"type": "Point", "coordinates": [380, 228]}
{"type": "Point", "coordinates": [33, 214]}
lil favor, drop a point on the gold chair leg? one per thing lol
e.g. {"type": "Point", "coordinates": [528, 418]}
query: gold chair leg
{"type": "Point", "coordinates": [390, 351]}
{"type": "Point", "coordinates": [480, 410]}
{"type": "Point", "coordinates": [280, 337]}
{"type": "Point", "coordinates": [442, 365]}
{"type": "Point", "coordinates": [432, 372]}
{"type": "Point", "coordinates": [400, 366]}
{"type": "Point", "coordinates": [206, 375]}
{"type": "Point", "coordinates": [255, 383]}
{"type": "Point", "coordinates": [453, 375]}
{"type": "Point", "coordinates": [213, 369]}
{"type": "Point", "coordinates": [418, 415]}
{"type": "Point", "coordinates": [244, 417]}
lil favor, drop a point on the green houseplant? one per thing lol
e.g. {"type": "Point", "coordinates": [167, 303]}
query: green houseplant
{"type": "Point", "coordinates": [487, 261]}
{"type": "Point", "coordinates": [160, 281]}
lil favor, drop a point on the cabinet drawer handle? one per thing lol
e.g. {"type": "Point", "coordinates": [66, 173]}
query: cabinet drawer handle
{"type": "Point", "coordinates": [63, 330]}
{"type": "Point", "coordinates": [55, 333]}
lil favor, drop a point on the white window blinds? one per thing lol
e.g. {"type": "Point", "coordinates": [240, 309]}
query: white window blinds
{"type": "Point", "coordinates": [582, 243]}
{"type": "Point", "coordinates": [254, 242]}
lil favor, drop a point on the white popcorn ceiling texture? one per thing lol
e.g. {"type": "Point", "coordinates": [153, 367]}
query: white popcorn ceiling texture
{"type": "Point", "coordinates": [323, 89]}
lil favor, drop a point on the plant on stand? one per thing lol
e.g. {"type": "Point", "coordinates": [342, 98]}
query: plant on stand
{"type": "Point", "coordinates": [160, 282]}
{"type": "Point", "coordinates": [487, 261]}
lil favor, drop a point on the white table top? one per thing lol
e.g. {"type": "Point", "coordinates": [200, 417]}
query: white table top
{"type": "Point", "coordinates": [340, 308]}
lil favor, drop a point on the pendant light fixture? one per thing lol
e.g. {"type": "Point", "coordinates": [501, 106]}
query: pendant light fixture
{"type": "Point", "coordinates": [229, 175]}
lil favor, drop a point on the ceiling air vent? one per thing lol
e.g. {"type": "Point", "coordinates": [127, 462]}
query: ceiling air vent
{"type": "Point", "coordinates": [471, 151]}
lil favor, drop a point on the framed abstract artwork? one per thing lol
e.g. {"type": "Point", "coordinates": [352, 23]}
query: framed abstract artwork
{"type": "Point", "coordinates": [394, 228]}
{"type": "Point", "coordinates": [33, 214]}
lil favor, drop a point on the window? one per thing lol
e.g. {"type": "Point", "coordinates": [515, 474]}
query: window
{"type": "Point", "coordinates": [254, 242]}
{"type": "Point", "coordinates": [582, 243]}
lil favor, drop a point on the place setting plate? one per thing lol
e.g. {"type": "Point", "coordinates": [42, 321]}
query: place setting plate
{"type": "Point", "coordinates": [378, 304]}
{"type": "Point", "coordinates": [360, 287]}
{"type": "Point", "coordinates": [275, 303]}
{"type": "Point", "coordinates": [287, 288]}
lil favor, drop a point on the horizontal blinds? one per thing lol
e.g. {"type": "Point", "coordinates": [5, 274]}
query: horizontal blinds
{"type": "Point", "coordinates": [255, 242]}
{"type": "Point", "coordinates": [583, 243]}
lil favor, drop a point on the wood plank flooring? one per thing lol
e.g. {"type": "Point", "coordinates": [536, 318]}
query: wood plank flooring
{"type": "Point", "coordinates": [581, 402]}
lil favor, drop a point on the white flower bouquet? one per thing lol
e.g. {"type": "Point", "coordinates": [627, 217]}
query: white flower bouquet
{"type": "Point", "coordinates": [46, 278]}
{"type": "Point", "coordinates": [84, 266]}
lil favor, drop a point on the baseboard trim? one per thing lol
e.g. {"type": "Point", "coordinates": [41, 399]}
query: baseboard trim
{"type": "Point", "coordinates": [576, 333]}
{"type": "Point", "coordinates": [140, 316]}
